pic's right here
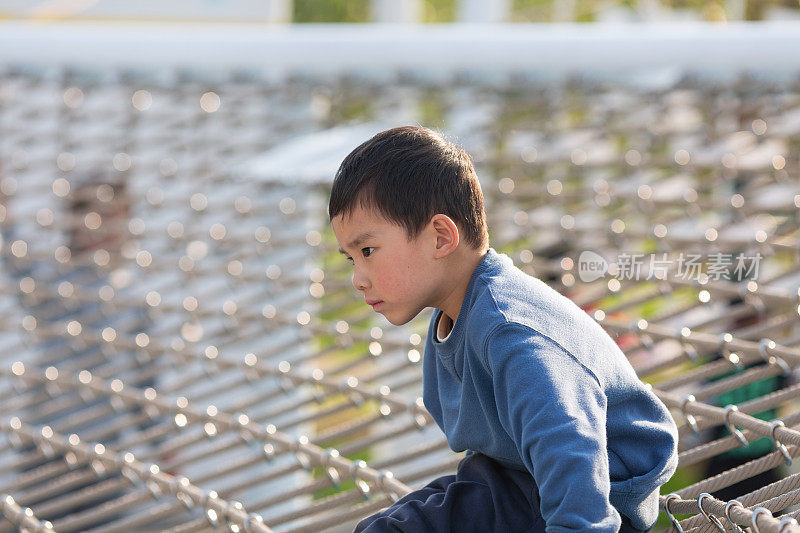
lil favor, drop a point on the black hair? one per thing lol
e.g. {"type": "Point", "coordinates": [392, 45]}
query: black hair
{"type": "Point", "coordinates": [409, 174]}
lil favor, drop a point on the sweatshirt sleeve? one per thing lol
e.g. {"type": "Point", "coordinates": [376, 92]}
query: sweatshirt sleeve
{"type": "Point", "coordinates": [554, 409]}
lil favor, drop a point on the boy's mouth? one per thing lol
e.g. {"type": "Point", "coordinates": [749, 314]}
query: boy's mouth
{"type": "Point", "coordinates": [374, 303]}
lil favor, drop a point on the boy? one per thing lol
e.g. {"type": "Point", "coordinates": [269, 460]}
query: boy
{"type": "Point", "coordinates": [561, 434]}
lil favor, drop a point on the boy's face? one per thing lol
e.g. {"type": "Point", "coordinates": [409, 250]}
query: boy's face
{"type": "Point", "coordinates": [396, 275]}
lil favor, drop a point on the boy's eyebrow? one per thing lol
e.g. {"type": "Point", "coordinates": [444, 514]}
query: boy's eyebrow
{"type": "Point", "coordinates": [358, 240]}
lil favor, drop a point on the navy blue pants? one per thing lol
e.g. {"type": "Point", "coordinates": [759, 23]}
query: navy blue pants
{"type": "Point", "coordinates": [483, 496]}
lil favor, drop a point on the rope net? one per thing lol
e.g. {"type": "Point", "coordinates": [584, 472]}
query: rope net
{"type": "Point", "coordinates": [182, 349]}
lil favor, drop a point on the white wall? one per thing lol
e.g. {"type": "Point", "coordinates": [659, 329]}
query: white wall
{"type": "Point", "coordinates": [547, 49]}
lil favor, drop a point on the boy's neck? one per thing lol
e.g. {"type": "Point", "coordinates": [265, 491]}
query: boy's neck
{"type": "Point", "coordinates": [461, 266]}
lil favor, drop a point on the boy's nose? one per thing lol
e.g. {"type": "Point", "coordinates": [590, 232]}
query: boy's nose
{"type": "Point", "coordinates": [359, 281]}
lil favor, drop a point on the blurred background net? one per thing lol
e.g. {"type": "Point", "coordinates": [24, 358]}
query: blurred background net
{"type": "Point", "coordinates": [180, 345]}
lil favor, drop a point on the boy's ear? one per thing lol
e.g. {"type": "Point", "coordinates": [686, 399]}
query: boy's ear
{"type": "Point", "coordinates": [446, 234]}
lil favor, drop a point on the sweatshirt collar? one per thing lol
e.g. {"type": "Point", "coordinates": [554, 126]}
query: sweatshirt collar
{"type": "Point", "coordinates": [490, 263]}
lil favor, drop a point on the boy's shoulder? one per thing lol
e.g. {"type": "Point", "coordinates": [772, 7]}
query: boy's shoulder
{"type": "Point", "coordinates": [502, 295]}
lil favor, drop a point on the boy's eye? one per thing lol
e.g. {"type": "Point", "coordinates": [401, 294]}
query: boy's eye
{"type": "Point", "coordinates": [367, 251]}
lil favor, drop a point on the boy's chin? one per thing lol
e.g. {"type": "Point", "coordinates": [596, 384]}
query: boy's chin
{"type": "Point", "coordinates": [397, 320]}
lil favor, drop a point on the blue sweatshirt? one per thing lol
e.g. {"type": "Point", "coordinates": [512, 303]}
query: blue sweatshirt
{"type": "Point", "coordinates": [530, 379]}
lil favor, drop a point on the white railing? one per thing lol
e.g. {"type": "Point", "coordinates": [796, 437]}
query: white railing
{"type": "Point", "coordinates": [430, 50]}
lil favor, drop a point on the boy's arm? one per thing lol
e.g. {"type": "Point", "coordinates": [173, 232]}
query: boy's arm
{"type": "Point", "coordinates": [555, 411]}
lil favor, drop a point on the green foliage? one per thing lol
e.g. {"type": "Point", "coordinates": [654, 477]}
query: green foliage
{"type": "Point", "coordinates": [331, 11]}
{"type": "Point", "coordinates": [438, 11]}
{"type": "Point", "coordinates": [346, 485]}
{"type": "Point", "coordinates": [542, 10]}
{"type": "Point", "coordinates": [432, 111]}
{"type": "Point", "coordinates": [443, 11]}
{"type": "Point", "coordinates": [747, 392]}
{"type": "Point", "coordinates": [435, 11]}
{"type": "Point", "coordinates": [531, 10]}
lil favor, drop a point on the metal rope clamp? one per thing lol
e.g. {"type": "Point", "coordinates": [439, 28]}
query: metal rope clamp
{"type": "Point", "coordinates": [117, 402]}
{"type": "Point", "coordinates": [152, 487]}
{"type": "Point", "coordinates": [211, 514]}
{"type": "Point", "coordinates": [269, 451]}
{"type": "Point", "coordinates": [764, 345]}
{"type": "Point", "coordinates": [361, 485]}
{"type": "Point", "coordinates": [300, 455]}
{"type": "Point", "coordinates": [672, 519]}
{"type": "Point", "coordinates": [318, 394]}
{"type": "Point", "coordinates": [787, 522]}
{"type": "Point", "coordinates": [130, 474]}
{"type": "Point", "coordinates": [156, 485]}
{"type": "Point", "coordinates": [152, 412]}
{"type": "Point", "coordinates": [691, 351]}
{"type": "Point", "coordinates": [710, 517]}
{"type": "Point", "coordinates": [355, 397]}
{"type": "Point", "coordinates": [754, 518]}
{"type": "Point", "coordinates": [645, 339]}
{"type": "Point", "coordinates": [14, 515]}
{"type": "Point", "coordinates": [52, 389]}
{"type": "Point", "coordinates": [226, 513]}
{"type": "Point", "coordinates": [15, 440]}
{"type": "Point", "coordinates": [382, 484]}
{"type": "Point", "coordinates": [330, 471]}
{"type": "Point", "coordinates": [251, 374]}
{"type": "Point", "coordinates": [99, 468]}
{"type": "Point", "coordinates": [690, 419]}
{"type": "Point", "coordinates": [417, 414]}
{"type": "Point", "coordinates": [245, 431]}
{"type": "Point", "coordinates": [253, 519]}
{"type": "Point", "coordinates": [176, 487]}
{"type": "Point", "coordinates": [724, 340]}
{"type": "Point", "coordinates": [45, 525]}
{"type": "Point", "coordinates": [722, 348]}
{"type": "Point", "coordinates": [733, 524]}
{"type": "Point", "coordinates": [71, 458]}
{"type": "Point", "coordinates": [732, 428]}
{"type": "Point", "coordinates": [8, 502]}
{"type": "Point", "coordinates": [752, 299]}
{"type": "Point", "coordinates": [285, 384]}
{"type": "Point", "coordinates": [45, 447]}
{"type": "Point", "coordinates": [778, 445]}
